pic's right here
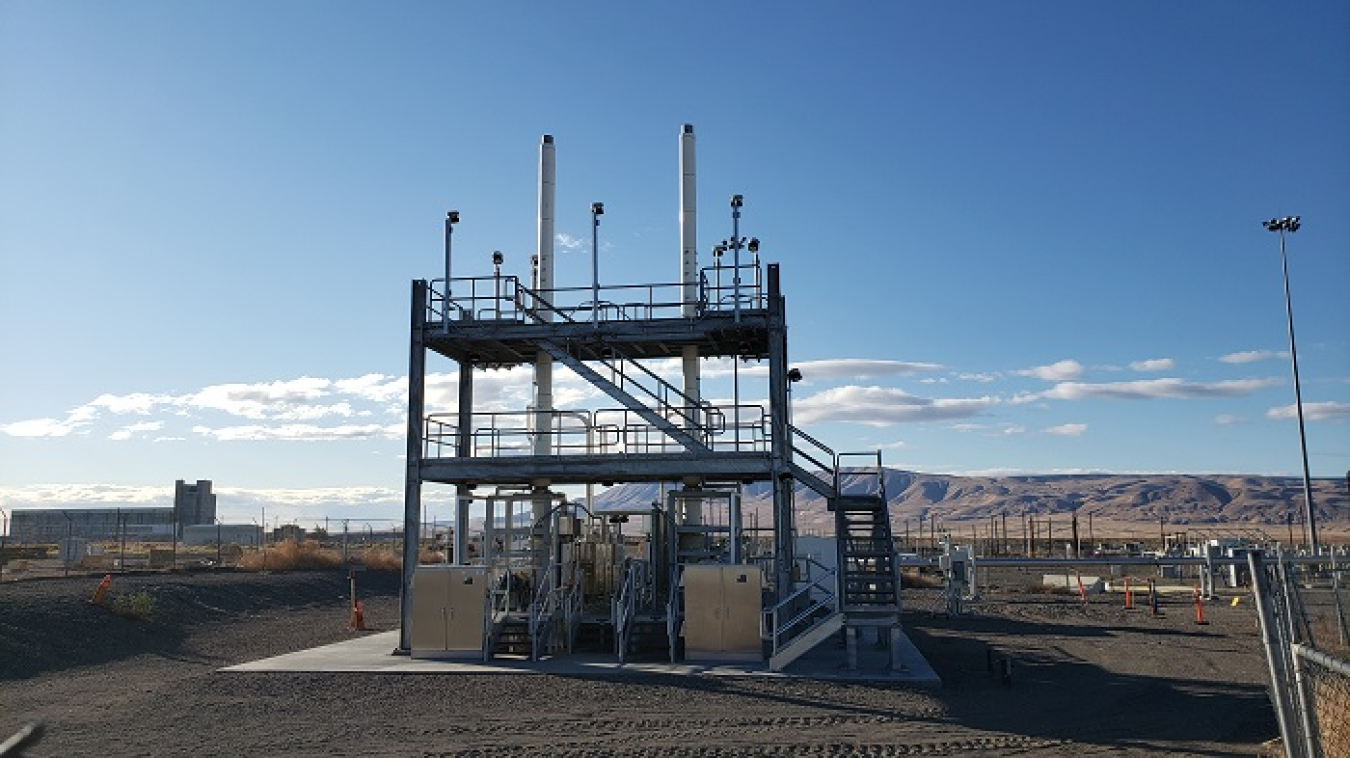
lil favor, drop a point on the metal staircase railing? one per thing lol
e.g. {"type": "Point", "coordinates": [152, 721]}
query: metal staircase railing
{"type": "Point", "coordinates": [811, 605]}
{"type": "Point", "coordinates": [689, 435]}
{"type": "Point", "coordinates": [625, 605]}
{"type": "Point", "coordinates": [818, 453]}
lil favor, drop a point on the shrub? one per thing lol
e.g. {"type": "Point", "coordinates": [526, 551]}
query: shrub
{"type": "Point", "coordinates": [136, 605]}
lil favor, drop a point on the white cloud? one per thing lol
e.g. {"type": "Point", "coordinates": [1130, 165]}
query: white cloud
{"type": "Point", "coordinates": [567, 241]}
{"type": "Point", "coordinates": [377, 388]}
{"type": "Point", "coordinates": [1153, 364]}
{"type": "Point", "coordinates": [301, 432]}
{"type": "Point", "coordinates": [127, 432]}
{"type": "Point", "coordinates": [985, 378]}
{"type": "Point", "coordinates": [1068, 430]}
{"type": "Point", "coordinates": [1327, 411]}
{"type": "Point", "coordinates": [880, 406]}
{"type": "Point", "coordinates": [259, 400]}
{"type": "Point", "coordinates": [1228, 419]}
{"type": "Point", "coordinates": [40, 427]}
{"type": "Point", "coordinates": [1252, 356]}
{"type": "Point", "coordinates": [1155, 389]}
{"type": "Point", "coordinates": [1055, 372]}
{"type": "Point", "coordinates": [861, 368]}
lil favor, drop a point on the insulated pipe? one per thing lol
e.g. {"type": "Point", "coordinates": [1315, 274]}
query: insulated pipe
{"type": "Point", "coordinates": [543, 284]}
{"type": "Point", "coordinates": [689, 265]}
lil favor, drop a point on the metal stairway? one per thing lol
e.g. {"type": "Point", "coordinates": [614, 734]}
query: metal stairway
{"type": "Point", "coordinates": [867, 590]}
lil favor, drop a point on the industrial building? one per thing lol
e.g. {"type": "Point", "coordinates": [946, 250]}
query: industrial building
{"type": "Point", "coordinates": [683, 578]}
{"type": "Point", "coordinates": [192, 504]}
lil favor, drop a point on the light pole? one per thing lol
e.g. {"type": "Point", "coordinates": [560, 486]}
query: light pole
{"type": "Point", "coordinates": [597, 210]}
{"type": "Point", "coordinates": [1280, 226]}
{"type": "Point", "coordinates": [451, 218]}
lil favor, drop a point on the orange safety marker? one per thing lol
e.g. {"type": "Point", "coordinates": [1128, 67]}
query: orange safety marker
{"type": "Point", "coordinates": [1082, 593]}
{"type": "Point", "coordinates": [358, 619]}
{"type": "Point", "coordinates": [1129, 595]}
{"type": "Point", "coordinates": [1199, 609]}
{"type": "Point", "coordinates": [102, 591]}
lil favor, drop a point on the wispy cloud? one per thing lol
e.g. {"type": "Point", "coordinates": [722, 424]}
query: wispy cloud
{"type": "Point", "coordinates": [1055, 372]}
{"type": "Point", "coordinates": [1153, 364]}
{"type": "Point", "coordinates": [301, 432]}
{"type": "Point", "coordinates": [1253, 356]}
{"type": "Point", "coordinates": [127, 432]}
{"type": "Point", "coordinates": [1155, 389]}
{"type": "Point", "coordinates": [1327, 411]}
{"type": "Point", "coordinates": [862, 368]}
{"type": "Point", "coordinates": [881, 406]}
{"type": "Point", "coordinates": [567, 241]}
{"type": "Point", "coordinates": [1068, 430]}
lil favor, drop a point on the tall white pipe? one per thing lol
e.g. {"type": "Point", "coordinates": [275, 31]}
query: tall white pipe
{"type": "Point", "coordinates": [542, 284]}
{"type": "Point", "coordinates": [689, 257]}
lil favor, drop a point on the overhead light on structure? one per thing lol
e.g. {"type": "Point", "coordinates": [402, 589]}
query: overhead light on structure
{"type": "Point", "coordinates": [754, 244]}
{"type": "Point", "coordinates": [452, 216]}
{"type": "Point", "coordinates": [598, 209]}
{"type": "Point", "coordinates": [497, 258]}
{"type": "Point", "coordinates": [794, 375]}
{"type": "Point", "coordinates": [737, 201]}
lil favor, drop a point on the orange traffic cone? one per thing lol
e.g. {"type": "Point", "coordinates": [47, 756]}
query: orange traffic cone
{"type": "Point", "coordinates": [102, 591]}
{"type": "Point", "coordinates": [358, 619]}
{"type": "Point", "coordinates": [1129, 595]}
{"type": "Point", "coordinates": [1199, 609]}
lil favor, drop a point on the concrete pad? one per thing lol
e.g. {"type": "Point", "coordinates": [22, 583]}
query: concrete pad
{"type": "Point", "coordinates": [373, 654]}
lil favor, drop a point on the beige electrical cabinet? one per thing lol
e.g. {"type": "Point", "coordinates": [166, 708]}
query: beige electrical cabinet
{"type": "Point", "coordinates": [449, 604]}
{"type": "Point", "coordinates": [722, 609]}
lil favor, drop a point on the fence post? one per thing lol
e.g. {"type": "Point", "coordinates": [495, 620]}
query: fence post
{"type": "Point", "coordinates": [1276, 659]}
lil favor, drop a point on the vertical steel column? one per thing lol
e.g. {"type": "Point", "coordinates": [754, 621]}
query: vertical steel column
{"type": "Point", "coordinates": [412, 488]}
{"type": "Point", "coordinates": [781, 450]}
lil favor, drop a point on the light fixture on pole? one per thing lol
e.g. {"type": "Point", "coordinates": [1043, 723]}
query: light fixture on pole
{"type": "Point", "coordinates": [451, 218]}
{"type": "Point", "coordinates": [1291, 224]}
{"type": "Point", "coordinates": [736, 202]}
{"type": "Point", "coordinates": [597, 210]}
{"type": "Point", "coordinates": [497, 260]}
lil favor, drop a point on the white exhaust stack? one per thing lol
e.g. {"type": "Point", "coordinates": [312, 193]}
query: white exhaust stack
{"type": "Point", "coordinates": [689, 253]}
{"type": "Point", "coordinates": [542, 284]}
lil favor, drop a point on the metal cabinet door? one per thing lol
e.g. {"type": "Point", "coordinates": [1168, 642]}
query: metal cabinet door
{"type": "Point", "coordinates": [742, 598]}
{"type": "Point", "coordinates": [430, 592]}
{"type": "Point", "coordinates": [467, 595]}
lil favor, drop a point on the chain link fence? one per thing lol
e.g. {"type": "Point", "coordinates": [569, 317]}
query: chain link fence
{"type": "Point", "coordinates": [1306, 633]}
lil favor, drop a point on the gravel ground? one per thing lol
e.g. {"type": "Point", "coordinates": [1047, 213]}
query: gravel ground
{"type": "Point", "coordinates": [1087, 681]}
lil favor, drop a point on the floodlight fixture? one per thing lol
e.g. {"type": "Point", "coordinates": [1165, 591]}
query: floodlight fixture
{"type": "Point", "coordinates": [598, 209]}
{"type": "Point", "coordinates": [794, 374]}
{"type": "Point", "coordinates": [754, 244]}
{"type": "Point", "coordinates": [452, 217]}
{"type": "Point", "coordinates": [737, 201]}
{"type": "Point", "coordinates": [497, 258]}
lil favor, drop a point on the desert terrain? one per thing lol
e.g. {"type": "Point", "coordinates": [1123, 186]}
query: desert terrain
{"type": "Point", "coordinates": [1088, 679]}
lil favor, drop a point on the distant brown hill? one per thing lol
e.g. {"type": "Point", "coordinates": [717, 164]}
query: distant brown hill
{"type": "Point", "coordinates": [1177, 500]}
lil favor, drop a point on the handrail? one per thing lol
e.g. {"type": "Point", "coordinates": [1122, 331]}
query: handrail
{"type": "Point", "coordinates": [471, 299]}
{"type": "Point", "coordinates": [625, 606]}
{"type": "Point", "coordinates": [604, 431]}
{"type": "Point", "coordinates": [782, 632]}
{"type": "Point", "coordinates": [541, 616]}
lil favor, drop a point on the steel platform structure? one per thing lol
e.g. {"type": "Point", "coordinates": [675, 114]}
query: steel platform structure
{"type": "Point", "coordinates": [650, 430]}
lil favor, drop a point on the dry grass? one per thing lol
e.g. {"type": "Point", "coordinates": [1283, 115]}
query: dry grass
{"type": "Point", "coordinates": [292, 556]}
{"type": "Point", "coordinates": [382, 559]}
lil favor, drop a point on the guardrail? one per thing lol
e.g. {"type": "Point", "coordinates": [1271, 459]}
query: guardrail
{"type": "Point", "coordinates": [606, 431]}
{"type": "Point", "coordinates": [505, 298]}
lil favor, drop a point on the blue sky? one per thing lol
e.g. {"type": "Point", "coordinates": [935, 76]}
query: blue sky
{"type": "Point", "coordinates": [1015, 238]}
